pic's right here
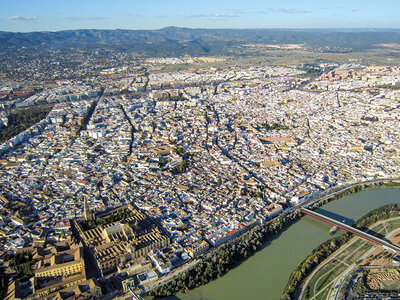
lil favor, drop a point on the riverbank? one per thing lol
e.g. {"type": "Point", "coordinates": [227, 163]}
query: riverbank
{"type": "Point", "coordinates": [326, 249]}
{"type": "Point", "coordinates": [228, 256]}
{"type": "Point", "coordinates": [345, 190]}
{"type": "Point", "coordinates": [265, 274]}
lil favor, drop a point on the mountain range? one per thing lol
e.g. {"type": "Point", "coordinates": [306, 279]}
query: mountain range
{"type": "Point", "coordinates": [178, 41]}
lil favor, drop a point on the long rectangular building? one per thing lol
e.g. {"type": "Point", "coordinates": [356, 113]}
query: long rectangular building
{"type": "Point", "coordinates": [119, 236]}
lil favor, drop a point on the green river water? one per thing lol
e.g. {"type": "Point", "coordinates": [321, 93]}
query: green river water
{"type": "Point", "coordinates": [265, 274]}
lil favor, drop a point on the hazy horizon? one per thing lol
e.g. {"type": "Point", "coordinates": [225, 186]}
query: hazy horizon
{"type": "Point", "coordinates": [354, 29]}
{"type": "Point", "coordinates": [46, 15]}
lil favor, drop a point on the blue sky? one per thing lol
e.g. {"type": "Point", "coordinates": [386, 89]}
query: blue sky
{"type": "Point", "coordinates": [54, 15]}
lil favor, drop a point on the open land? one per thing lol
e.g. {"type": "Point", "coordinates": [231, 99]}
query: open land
{"type": "Point", "coordinates": [357, 269]}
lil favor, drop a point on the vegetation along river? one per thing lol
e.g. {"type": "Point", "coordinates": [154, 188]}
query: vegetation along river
{"type": "Point", "coordinates": [265, 274]}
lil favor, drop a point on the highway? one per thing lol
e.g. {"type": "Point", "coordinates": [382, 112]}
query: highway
{"type": "Point", "coordinates": [383, 243]}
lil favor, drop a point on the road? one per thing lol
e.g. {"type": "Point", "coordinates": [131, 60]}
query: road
{"type": "Point", "coordinates": [340, 278]}
{"type": "Point", "coordinates": [167, 278]}
{"type": "Point", "coordinates": [331, 192]}
{"type": "Point", "coordinates": [385, 244]}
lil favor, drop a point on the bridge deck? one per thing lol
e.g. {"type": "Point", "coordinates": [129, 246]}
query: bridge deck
{"type": "Point", "coordinates": [362, 234]}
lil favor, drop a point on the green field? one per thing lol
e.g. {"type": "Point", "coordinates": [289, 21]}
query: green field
{"type": "Point", "coordinates": [346, 256]}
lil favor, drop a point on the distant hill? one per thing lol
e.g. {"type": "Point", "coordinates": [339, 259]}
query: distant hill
{"type": "Point", "coordinates": [177, 41]}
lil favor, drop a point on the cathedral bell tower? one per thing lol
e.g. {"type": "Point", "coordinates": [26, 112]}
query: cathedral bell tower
{"type": "Point", "coordinates": [87, 212]}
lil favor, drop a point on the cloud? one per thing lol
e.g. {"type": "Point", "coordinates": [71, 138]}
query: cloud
{"type": "Point", "coordinates": [133, 15]}
{"type": "Point", "coordinates": [332, 8]}
{"type": "Point", "coordinates": [225, 16]}
{"type": "Point", "coordinates": [269, 11]}
{"type": "Point", "coordinates": [211, 16]}
{"type": "Point", "coordinates": [97, 18]}
{"type": "Point", "coordinates": [248, 10]}
{"type": "Point", "coordinates": [18, 18]}
{"type": "Point", "coordinates": [341, 8]}
{"type": "Point", "coordinates": [242, 12]}
{"type": "Point", "coordinates": [84, 19]}
{"type": "Point", "coordinates": [292, 11]}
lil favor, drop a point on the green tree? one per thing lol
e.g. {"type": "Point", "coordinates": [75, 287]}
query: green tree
{"type": "Point", "coordinates": [179, 150]}
{"type": "Point", "coordinates": [182, 167]}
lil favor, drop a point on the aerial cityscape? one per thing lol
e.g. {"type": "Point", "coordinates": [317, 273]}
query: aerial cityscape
{"type": "Point", "coordinates": [204, 163]}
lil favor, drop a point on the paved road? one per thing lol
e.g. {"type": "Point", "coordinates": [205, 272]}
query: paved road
{"type": "Point", "coordinates": [385, 244]}
{"type": "Point", "coordinates": [341, 277]}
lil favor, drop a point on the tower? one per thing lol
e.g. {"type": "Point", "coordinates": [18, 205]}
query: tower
{"type": "Point", "coordinates": [87, 213]}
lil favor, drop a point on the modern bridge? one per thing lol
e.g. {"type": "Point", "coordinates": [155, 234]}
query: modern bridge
{"type": "Point", "coordinates": [383, 243]}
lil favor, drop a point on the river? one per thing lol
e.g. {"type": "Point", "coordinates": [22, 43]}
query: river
{"type": "Point", "coordinates": [265, 274]}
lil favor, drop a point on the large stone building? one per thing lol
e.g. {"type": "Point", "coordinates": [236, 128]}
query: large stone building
{"type": "Point", "coordinates": [118, 236]}
{"type": "Point", "coordinates": [60, 273]}
{"type": "Point", "coordinates": [65, 263]}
